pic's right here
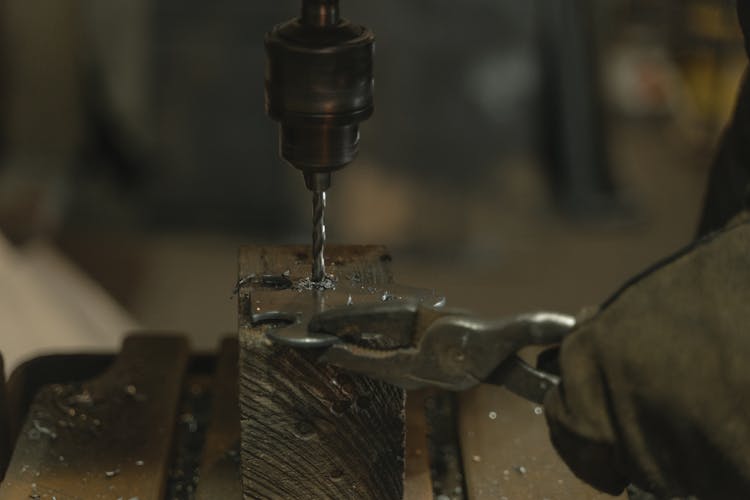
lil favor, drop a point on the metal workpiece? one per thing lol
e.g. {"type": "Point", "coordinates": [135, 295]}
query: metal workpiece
{"type": "Point", "coordinates": [435, 347]}
{"type": "Point", "coordinates": [295, 318]}
{"type": "Point", "coordinates": [319, 86]}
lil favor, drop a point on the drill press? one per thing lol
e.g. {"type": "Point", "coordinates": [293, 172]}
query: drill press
{"type": "Point", "coordinates": [319, 87]}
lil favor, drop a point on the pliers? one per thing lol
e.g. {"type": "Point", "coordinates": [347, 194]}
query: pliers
{"type": "Point", "coordinates": [413, 346]}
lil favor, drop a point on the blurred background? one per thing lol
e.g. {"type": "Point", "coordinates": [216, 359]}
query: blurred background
{"type": "Point", "coordinates": [522, 155]}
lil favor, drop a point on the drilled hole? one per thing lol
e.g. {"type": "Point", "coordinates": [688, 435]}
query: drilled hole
{"type": "Point", "coordinates": [274, 319]}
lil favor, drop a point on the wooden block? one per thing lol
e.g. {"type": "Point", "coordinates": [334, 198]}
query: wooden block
{"type": "Point", "coordinates": [311, 430]}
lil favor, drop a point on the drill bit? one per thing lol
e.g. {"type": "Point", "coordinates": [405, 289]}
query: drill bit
{"type": "Point", "coordinates": [319, 236]}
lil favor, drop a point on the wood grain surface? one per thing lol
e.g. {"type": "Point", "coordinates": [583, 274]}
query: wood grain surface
{"type": "Point", "coordinates": [311, 430]}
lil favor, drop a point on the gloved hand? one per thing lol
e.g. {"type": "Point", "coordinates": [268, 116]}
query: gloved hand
{"type": "Point", "coordinates": [656, 386]}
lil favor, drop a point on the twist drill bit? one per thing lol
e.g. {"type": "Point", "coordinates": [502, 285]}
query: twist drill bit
{"type": "Point", "coordinates": [319, 236]}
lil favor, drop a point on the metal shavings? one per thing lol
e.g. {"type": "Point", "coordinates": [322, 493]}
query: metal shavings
{"type": "Point", "coordinates": [132, 391]}
{"type": "Point", "coordinates": [189, 420]}
{"type": "Point", "coordinates": [538, 410]}
{"type": "Point", "coordinates": [111, 473]}
{"type": "Point", "coordinates": [242, 283]}
{"type": "Point", "coordinates": [233, 455]}
{"type": "Point", "coordinates": [493, 415]}
{"type": "Point", "coordinates": [44, 430]}
{"type": "Point", "coordinates": [307, 284]}
{"type": "Point", "coordinates": [193, 416]}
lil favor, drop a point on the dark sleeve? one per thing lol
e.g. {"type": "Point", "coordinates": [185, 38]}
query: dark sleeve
{"type": "Point", "coordinates": [743, 11]}
{"type": "Point", "coordinates": [729, 181]}
{"type": "Point", "coordinates": [656, 388]}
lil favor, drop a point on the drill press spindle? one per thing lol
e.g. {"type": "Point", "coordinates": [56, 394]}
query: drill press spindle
{"type": "Point", "coordinates": [319, 87]}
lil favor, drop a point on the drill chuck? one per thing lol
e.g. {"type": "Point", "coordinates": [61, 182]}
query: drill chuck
{"type": "Point", "coordinates": [319, 87]}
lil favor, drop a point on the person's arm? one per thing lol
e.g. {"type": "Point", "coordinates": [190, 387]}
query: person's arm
{"type": "Point", "coordinates": [656, 387]}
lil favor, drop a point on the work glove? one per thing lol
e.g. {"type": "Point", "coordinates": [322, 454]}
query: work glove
{"type": "Point", "coordinates": [727, 193]}
{"type": "Point", "coordinates": [656, 386]}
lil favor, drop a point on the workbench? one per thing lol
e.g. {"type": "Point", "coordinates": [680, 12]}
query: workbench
{"type": "Point", "coordinates": [160, 421]}
{"type": "Point", "coordinates": [129, 437]}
